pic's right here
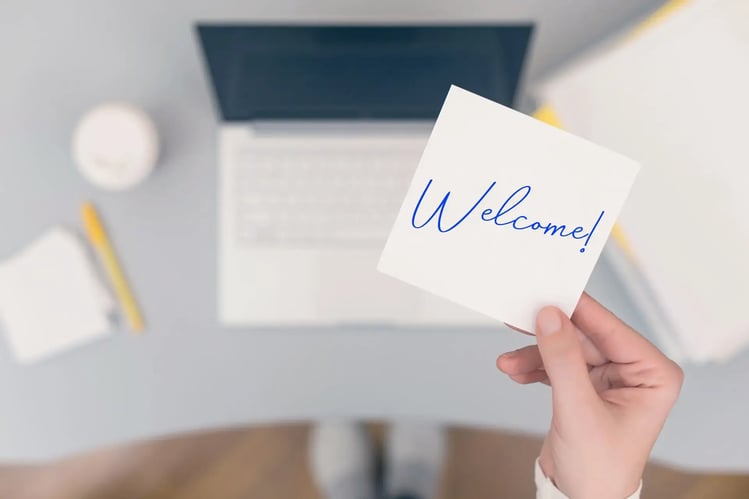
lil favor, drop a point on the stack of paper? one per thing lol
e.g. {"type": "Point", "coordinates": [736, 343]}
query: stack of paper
{"type": "Point", "coordinates": [51, 298]}
{"type": "Point", "coordinates": [674, 97]}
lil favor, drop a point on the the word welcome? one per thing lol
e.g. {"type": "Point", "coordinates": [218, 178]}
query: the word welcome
{"type": "Point", "coordinates": [501, 217]}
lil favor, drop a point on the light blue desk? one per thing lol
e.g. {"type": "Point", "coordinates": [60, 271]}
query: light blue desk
{"type": "Point", "coordinates": [187, 373]}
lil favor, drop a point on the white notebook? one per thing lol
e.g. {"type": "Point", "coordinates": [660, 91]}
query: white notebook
{"type": "Point", "coordinates": [675, 97]}
{"type": "Point", "coordinates": [51, 297]}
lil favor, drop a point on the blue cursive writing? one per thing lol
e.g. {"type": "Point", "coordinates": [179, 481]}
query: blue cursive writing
{"type": "Point", "coordinates": [502, 217]}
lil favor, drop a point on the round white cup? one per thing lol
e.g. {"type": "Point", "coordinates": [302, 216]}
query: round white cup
{"type": "Point", "coordinates": [116, 146]}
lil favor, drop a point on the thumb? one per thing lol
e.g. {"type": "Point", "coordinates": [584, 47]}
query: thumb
{"type": "Point", "coordinates": [562, 354]}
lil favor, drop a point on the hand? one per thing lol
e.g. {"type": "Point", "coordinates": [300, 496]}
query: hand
{"type": "Point", "coordinates": [611, 391]}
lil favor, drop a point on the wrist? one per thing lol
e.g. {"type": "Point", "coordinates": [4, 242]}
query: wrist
{"type": "Point", "coordinates": [595, 488]}
{"type": "Point", "coordinates": [599, 484]}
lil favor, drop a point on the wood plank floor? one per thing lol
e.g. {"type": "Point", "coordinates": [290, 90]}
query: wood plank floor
{"type": "Point", "coordinates": [271, 463]}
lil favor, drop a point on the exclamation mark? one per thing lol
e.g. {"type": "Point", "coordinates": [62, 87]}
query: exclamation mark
{"type": "Point", "coordinates": [590, 234]}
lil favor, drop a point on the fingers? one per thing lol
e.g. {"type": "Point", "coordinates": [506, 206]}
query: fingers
{"type": "Point", "coordinates": [613, 338]}
{"type": "Point", "coordinates": [562, 354]}
{"type": "Point", "coordinates": [637, 375]}
{"type": "Point", "coordinates": [533, 377]}
{"type": "Point", "coordinates": [528, 359]}
{"type": "Point", "coordinates": [523, 366]}
{"type": "Point", "coordinates": [612, 376]}
{"type": "Point", "coordinates": [593, 356]}
{"type": "Point", "coordinates": [522, 361]}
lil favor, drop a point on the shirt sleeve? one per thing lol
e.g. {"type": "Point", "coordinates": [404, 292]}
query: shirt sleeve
{"type": "Point", "coordinates": [545, 488]}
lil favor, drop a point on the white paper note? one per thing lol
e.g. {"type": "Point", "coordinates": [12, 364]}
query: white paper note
{"type": "Point", "coordinates": [505, 214]}
{"type": "Point", "coordinates": [51, 298]}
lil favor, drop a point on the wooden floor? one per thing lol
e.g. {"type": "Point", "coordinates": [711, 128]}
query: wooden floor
{"type": "Point", "coordinates": [271, 463]}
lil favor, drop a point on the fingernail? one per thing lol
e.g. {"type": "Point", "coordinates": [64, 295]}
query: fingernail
{"type": "Point", "coordinates": [548, 321]}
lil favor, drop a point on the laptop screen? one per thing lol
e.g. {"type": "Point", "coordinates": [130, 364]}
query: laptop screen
{"type": "Point", "coordinates": [350, 72]}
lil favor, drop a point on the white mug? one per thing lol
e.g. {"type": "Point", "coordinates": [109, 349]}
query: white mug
{"type": "Point", "coordinates": [116, 146]}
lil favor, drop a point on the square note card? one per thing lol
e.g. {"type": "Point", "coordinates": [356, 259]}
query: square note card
{"type": "Point", "coordinates": [505, 214]}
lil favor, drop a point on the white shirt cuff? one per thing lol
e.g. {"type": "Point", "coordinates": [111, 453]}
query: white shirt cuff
{"type": "Point", "coordinates": [545, 488]}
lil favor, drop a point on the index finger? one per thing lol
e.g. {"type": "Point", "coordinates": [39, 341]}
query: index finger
{"type": "Point", "coordinates": [613, 338]}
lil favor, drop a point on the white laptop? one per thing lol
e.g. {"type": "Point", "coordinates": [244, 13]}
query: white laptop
{"type": "Point", "coordinates": [322, 129]}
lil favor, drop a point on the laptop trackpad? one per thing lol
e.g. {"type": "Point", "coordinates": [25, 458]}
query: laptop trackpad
{"type": "Point", "coordinates": [352, 290]}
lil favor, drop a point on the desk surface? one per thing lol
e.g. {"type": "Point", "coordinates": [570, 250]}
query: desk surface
{"type": "Point", "coordinates": [186, 373]}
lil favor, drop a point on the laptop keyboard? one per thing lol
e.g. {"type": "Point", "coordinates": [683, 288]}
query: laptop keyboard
{"type": "Point", "coordinates": [311, 197]}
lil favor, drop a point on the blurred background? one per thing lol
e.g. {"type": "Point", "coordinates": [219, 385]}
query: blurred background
{"type": "Point", "coordinates": [194, 194]}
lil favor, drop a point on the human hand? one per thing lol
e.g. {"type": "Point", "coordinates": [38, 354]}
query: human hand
{"type": "Point", "coordinates": [611, 393]}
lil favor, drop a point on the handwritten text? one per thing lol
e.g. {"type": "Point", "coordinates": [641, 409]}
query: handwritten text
{"type": "Point", "coordinates": [503, 216]}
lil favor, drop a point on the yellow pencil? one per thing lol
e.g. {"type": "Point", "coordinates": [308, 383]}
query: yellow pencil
{"type": "Point", "coordinates": [98, 237]}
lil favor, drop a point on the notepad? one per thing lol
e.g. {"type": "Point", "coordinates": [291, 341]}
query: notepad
{"type": "Point", "coordinates": [51, 297]}
{"type": "Point", "coordinates": [505, 214]}
{"type": "Point", "coordinates": [675, 98]}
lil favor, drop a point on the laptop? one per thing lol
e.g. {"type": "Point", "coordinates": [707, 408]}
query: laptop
{"type": "Point", "coordinates": [321, 130]}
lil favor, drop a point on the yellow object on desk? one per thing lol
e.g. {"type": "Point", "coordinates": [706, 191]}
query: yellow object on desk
{"type": "Point", "coordinates": [98, 237]}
